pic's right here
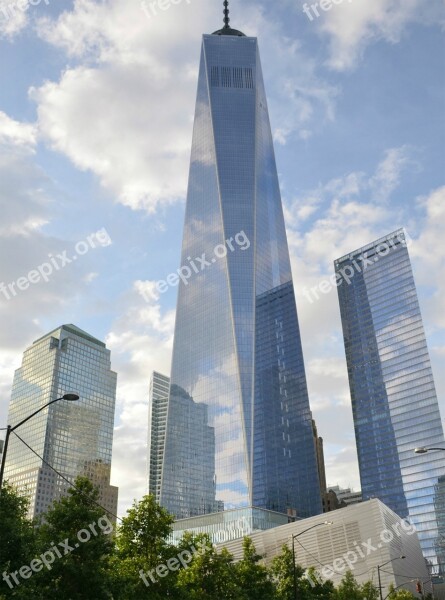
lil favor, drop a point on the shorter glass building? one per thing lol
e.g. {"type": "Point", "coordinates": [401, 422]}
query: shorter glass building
{"type": "Point", "coordinates": [230, 524]}
{"type": "Point", "coordinates": [157, 419]}
{"type": "Point", "coordinates": [393, 396]}
{"type": "Point", "coordinates": [75, 438]}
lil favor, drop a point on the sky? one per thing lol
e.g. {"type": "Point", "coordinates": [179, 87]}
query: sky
{"type": "Point", "coordinates": [96, 116]}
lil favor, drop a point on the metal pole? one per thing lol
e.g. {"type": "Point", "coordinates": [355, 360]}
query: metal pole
{"type": "Point", "coordinates": [10, 429]}
{"type": "Point", "coordinates": [380, 582]}
{"type": "Point", "coordinates": [295, 568]}
{"type": "Point", "coordinates": [5, 449]}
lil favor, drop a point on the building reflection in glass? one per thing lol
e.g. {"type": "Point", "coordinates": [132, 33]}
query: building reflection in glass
{"type": "Point", "coordinates": [75, 438]}
{"type": "Point", "coordinates": [394, 399]}
{"type": "Point", "coordinates": [237, 348]}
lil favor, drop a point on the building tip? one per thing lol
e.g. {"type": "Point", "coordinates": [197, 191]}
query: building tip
{"type": "Point", "coordinates": [226, 14]}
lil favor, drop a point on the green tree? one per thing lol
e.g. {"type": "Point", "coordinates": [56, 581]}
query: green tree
{"type": "Point", "coordinates": [320, 590]}
{"type": "Point", "coordinates": [17, 538]}
{"type": "Point", "coordinates": [348, 589]}
{"type": "Point", "coordinates": [370, 591]}
{"type": "Point", "coordinates": [141, 552]}
{"type": "Point", "coordinates": [400, 594]}
{"type": "Point", "coordinates": [253, 578]}
{"type": "Point", "coordinates": [282, 570]}
{"type": "Point", "coordinates": [210, 575]}
{"type": "Point", "coordinates": [75, 543]}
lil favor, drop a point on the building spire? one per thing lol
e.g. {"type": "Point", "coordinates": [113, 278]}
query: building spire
{"type": "Point", "coordinates": [226, 14]}
{"type": "Point", "coordinates": [227, 30]}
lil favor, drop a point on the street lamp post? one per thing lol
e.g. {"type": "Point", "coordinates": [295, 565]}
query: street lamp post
{"type": "Point", "coordinates": [293, 550]}
{"type": "Point", "coordinates": [423, 450]}
{"type": "Point", "coordinates": [10, 429]}
{"type": "Point", "coordinates": [378, 572]}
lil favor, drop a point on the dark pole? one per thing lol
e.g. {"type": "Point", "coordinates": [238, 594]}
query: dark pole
{"type": "Point", "coordinates": [293, 550]}
{"type": "Point", "coordinates": [380, 582]}
{"type": "Point", "coordinates": [378, 572]}
{"type": "Point", "coordinates": [10, 429]}
{"type": "Point", "coordinates": [5, 448]}
{"type": "Point", "coordinates": [295, 568]}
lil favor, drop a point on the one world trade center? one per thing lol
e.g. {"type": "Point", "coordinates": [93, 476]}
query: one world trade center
{"type": "Point", "coordinates": [239, 429]}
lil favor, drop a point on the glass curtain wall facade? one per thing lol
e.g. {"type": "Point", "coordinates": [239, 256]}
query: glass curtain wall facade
{"type": "Point", "coordinates": [157, 419]}
{"type": "Point", "coordinates": [237, 349]}
{"type": "Point", "coordinates": [73, 437]}
{"type": "Point", "coordinates": [393, 395]}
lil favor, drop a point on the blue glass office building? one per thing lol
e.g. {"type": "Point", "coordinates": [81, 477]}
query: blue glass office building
{"type": "Point", "coordinates": [75, 438]}
{"type": "Point", "coordinates": [393, 396]}
{"type": "Point", "coordinates": [237, 348]}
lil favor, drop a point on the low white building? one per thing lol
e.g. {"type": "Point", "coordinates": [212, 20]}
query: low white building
{"type": "Point", "coordinates": [361, 538]}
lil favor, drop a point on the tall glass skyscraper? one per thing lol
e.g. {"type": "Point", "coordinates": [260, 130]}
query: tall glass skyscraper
{"type": "Point", "coordinates": [393, 395]}
{"type": "Point", "coordinates": [75, 438]}
{"type": "Point", "coordinates": [237, 350]}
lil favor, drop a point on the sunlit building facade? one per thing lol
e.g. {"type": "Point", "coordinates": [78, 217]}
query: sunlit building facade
{"type": "Point", "coordinates": [394, 400]}
{"type": "Point", "coordinates": [237, 349]}
{"type": "Point", "coordinates": [345, 545]}
{"type": "Point", "coordinates": [75, 438]}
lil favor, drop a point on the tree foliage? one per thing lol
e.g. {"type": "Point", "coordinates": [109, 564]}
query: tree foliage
{"type": "Point", "coordinates": [141, 547]}
{"type": "Point", "coordinates": [349, 589]}
{"type": "Point", "coordinates": [138, 561]}
{"type": "Point", "coordinates": [370, 591]}
{"type": "Point", "coordinates": [81, 532]}
{"type": "Point", "coordinates": [400, 594]}
{"type": "Point", "coordinates": [287, 577]}
{"type": "Point", "coordinates": [210, 574]}
{"type": "Point", "coordinates": [320, 590]}
{"type": "Point", "coordinates": [253, 579]}
{"type": "Point", "coordinates": [17, 536]}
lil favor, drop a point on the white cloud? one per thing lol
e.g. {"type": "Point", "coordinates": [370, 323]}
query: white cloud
{"type": "Point", "coordinates": [302, 101]}
{"type": "Point", "coordinates": [354, 25]}
{"type": "Point", "coordinates": [16, 133]}
{"type": "Point", "coordinates": [345, 214]}
{"type": "Point", "coordinates": [112, 122]}
{"type": "Point", "coordinates": [345, 211]}
{"type": "Point", "coordinates": [140, 342]}
{"type": "Point", "coordinates": [26, 199]}
{"type": "Point", "coordinates": [427, 254]}
{"type": "Point", "coordinates": [116, 113]}
{"type": "Point", "coordinates": [342, 466]}
{"type": "Point", "coordinates": [388, 175]}
{"type": "Point", "coordinates": [89, 277]}
{"type": "Point", "coordinates": [12, 20]}
{"type": "Point", "coordinates": [232, 499]}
